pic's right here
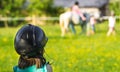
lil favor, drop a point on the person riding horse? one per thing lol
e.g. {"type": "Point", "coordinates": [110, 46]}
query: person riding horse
{"type": "Point", "coordinates": [80, 22]}
{"type": "Point", "coordinates": [83, 18]}
{"type": "Point", "coordinates": [72, 17]}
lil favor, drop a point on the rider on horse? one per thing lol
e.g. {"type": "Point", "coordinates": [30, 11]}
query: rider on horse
{"type": "Point", "coordinates": [82, 17]}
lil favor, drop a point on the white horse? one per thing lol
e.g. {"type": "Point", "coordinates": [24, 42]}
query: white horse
{"type": "Point", "coordinates": [65, 19]}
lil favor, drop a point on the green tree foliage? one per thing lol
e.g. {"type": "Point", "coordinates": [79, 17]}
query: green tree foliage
{"type": "Point", "coordinates": [43, 7]}
{"type": "Point", "coordinates": [38, 7]}
{"type": "Point", "coordinates": [115, 6]}
{"type": "Point", "coordinates": [23, 8]}
{"type": "Point", "coordinates": [26, 7]}
{"type": "Point", "coordinates": [10, 7]}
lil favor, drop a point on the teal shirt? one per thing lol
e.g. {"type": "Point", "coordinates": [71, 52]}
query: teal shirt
{"type": "Point", "coordinates": [30, 69]}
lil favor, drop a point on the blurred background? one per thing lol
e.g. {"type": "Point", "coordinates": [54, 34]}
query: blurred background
{"type": "Point", "coordinates": [71, 53]}
{"type": "Point", "coordinates": [13, 12]}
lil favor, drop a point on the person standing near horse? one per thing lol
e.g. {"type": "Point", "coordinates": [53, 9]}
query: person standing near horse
{"type": "Point", "coordinates": [76, 10]}
{"type": "Point", "coordinates": [29, 43]}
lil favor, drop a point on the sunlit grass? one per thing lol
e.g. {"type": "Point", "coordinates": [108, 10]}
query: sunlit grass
{"type": "Point", "coordinates": [72, 53]}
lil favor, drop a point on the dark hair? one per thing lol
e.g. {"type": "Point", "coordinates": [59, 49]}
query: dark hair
{"type": "Point", "coordinates": [76, 3]}
{"type": "Point", "coordinates": [29, 43]}
{"type": "Point", "coordinates": [37, 60]}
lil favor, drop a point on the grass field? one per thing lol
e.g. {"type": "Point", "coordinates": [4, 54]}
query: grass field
{"type": "Point", "coordinates": [72, 53]}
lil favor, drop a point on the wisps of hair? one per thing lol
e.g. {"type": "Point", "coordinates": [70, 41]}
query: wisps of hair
{"type": "Point", "coordinates": [26, 62]}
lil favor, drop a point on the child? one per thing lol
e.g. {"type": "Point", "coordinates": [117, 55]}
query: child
{"type": "Point", "coordinates": [29, 44]}
{"type": "Point", "coordinates": [112, 21]}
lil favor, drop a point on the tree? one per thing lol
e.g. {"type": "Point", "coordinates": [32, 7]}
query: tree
{"type": "Point", "coordinates": [39, 7]}
{"type": "Point", "coordinates": [10, 7]}
{"type": "Point", "coordinates": [115, 6]}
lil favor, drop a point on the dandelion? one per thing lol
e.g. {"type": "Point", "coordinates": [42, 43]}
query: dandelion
{"type": "Point", "coordinates": [116, 65]}
{"type": "Point", "coordinates": [4, 39]}
{"type": "Point", "coordinates": [108, 55]}
{"type": "Point", "coordinates": [101, 66]}
{"type": "Point", "coordinates": [90, 63]}
{"type": "Point", "coordinates": [89, 50]}
{"type": "Point", "coordinates": [118, 58]}
{"type": "Point", "coordinates": [102, 60]}
{"type": "Point", "coordinates": [69, 65]}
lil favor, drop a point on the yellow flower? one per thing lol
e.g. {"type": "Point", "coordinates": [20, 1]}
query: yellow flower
{"type": "Point", "coordinates": [102, 60]}
{"type": "Point", "coordinates": [108, 55]}
{"type": "Point", "coordinates": [4, 39]}
{"type": "Point", "coordinates": [90, 63]}
{"type": "Point", "coordinates": [115, 64]}
{"type": "Point", "coordinates": [70, 65]}
{"type": "Point", "coordinates": [118, 58]}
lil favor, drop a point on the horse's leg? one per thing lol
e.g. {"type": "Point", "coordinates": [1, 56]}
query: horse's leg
{"type": "Point", "coordinates": [83, 26]}
{"type": "Point", "coordinates": [66, 24]}
{"type": "Point", "coordinates": [61, 20]}
{"type": "Point", "coordinates": [86, 22]}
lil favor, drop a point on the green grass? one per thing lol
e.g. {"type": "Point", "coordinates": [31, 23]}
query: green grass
{"type": "Point", "coordinates": [72, 53]}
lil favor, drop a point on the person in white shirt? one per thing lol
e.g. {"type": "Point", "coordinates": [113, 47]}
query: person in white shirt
{"type": "Point", "coordinates": [112, 22]}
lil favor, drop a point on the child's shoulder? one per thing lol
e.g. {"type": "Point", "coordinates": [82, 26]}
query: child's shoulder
{"type": "Point", "coordinates": [15, 69]}
{"type": "Point", "coordinates": [48, 67]}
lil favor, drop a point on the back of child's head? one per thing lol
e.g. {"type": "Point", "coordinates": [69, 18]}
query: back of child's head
{"type": "Point", "coordinates": [29, 44]}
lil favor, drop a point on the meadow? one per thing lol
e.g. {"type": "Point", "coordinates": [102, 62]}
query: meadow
{"type": "Point", "coordinates": [72, 53]}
